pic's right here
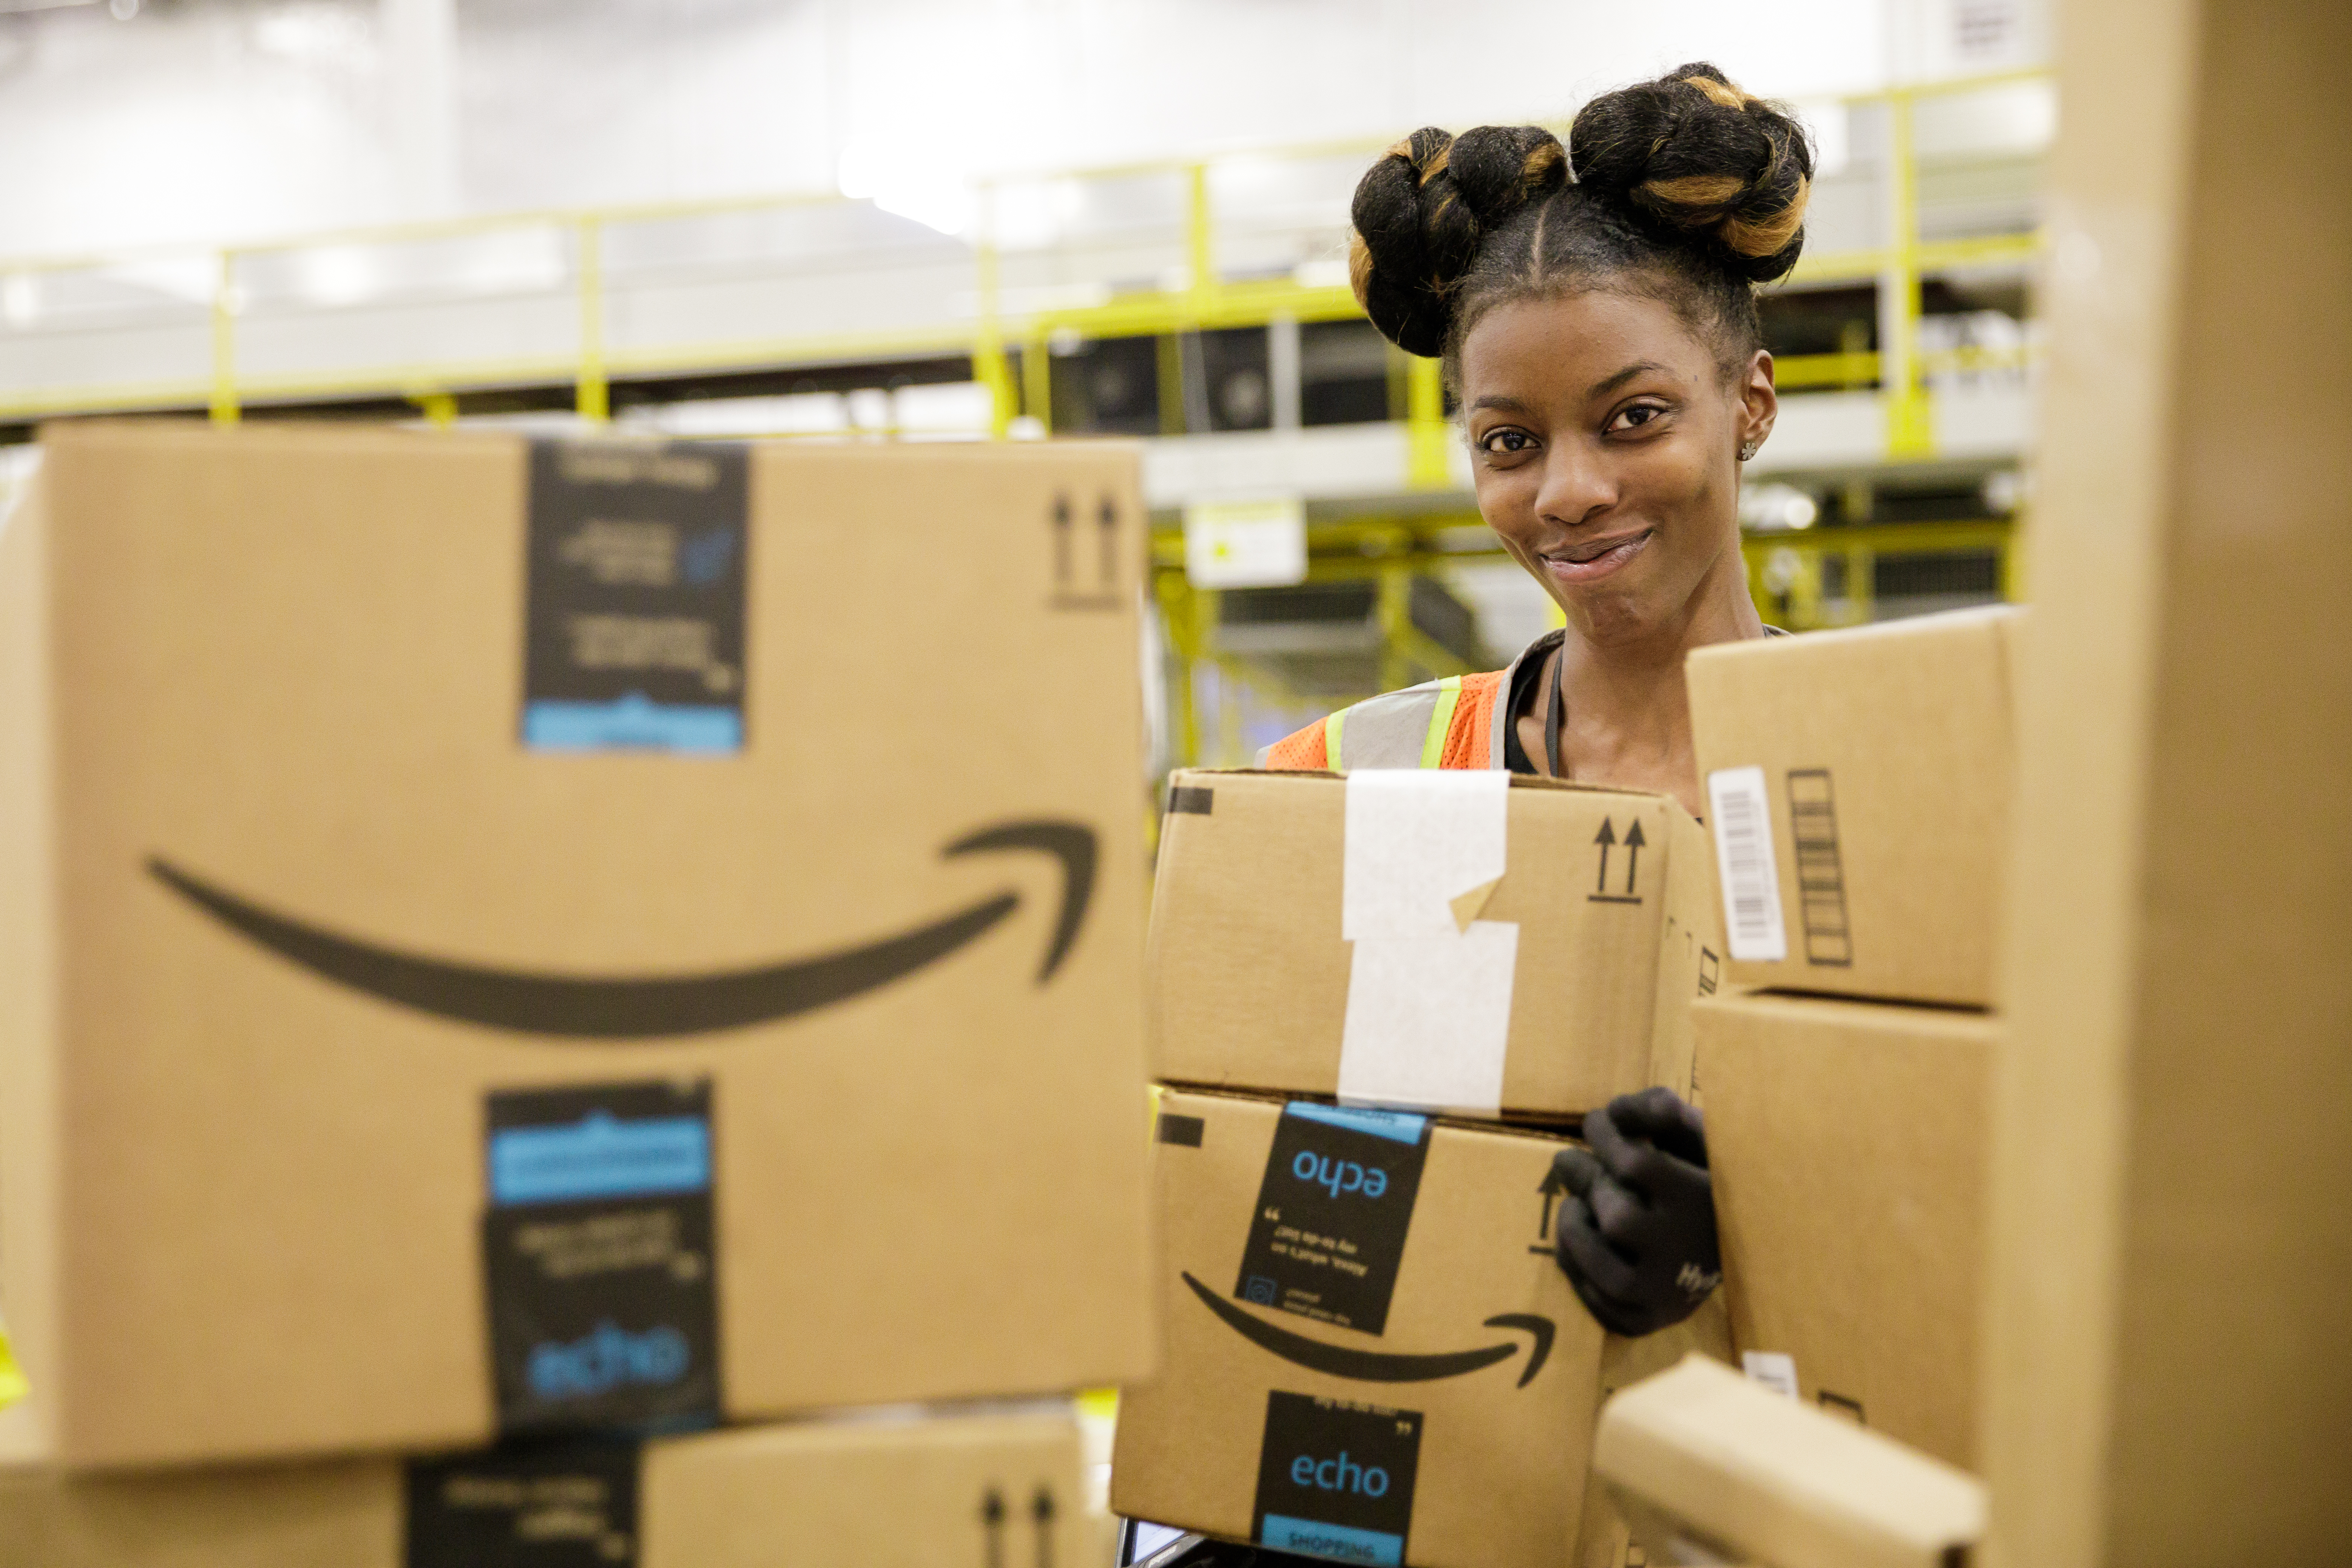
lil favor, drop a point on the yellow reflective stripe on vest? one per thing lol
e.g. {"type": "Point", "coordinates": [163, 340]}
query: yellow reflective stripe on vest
{"type": "Point", "coordinates": [1441, 722]}
{"type": "Point", "coordinates": [1331, 741]}
{"type": "Point", "coordinates": [12, 1386]}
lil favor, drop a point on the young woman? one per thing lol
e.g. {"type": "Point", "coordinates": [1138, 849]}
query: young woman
{"type": "Point", "coordinates": [1594, 307]}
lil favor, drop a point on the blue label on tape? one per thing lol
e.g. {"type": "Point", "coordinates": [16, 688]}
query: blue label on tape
{"type": "Point", "coordinates": [630, 722]}
{"type": "Point", "coordinates": [600, 1157]}
{"type": "Point", "coordinates": [1401, 1126]}
{"type": "Point", "coordinates": [1335, 1542]}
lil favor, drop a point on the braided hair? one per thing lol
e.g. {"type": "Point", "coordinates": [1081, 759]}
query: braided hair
{"type": "Point", "coordinates": [1685, 189]}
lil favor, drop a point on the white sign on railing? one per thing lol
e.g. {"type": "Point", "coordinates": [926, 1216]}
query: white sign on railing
{"type": "Point", "coordinates": [1245, 544]}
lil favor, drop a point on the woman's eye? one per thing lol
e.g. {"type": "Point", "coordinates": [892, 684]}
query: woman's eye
{"type": "Point", "coordinates": [1507, 441]}
{"type": "Point", "coordinates": [1638, 414]}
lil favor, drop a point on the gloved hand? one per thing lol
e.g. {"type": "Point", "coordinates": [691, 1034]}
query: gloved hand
{"type": "Point", "coordinates": [1636, 1234]}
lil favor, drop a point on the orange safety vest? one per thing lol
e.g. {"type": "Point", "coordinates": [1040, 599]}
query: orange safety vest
{"type": "Point", "coordinates": [1447, 723]}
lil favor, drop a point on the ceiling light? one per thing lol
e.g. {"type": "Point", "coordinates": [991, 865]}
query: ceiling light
{"type": "Point", "coordinates": [1777, 508]}
{"type": "Point", "coordinates": [20, 299]}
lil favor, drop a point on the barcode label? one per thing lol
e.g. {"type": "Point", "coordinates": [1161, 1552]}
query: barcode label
{"type": "Point", "coordinates": [1773, 1370]}
{"type": "Point", "coordinates": [1821, 872]}
{"type": "Point", "coordinates": [1743, 853]}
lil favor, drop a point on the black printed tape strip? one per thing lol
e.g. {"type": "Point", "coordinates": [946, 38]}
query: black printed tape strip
{"type": "Point", "coordinates": [569, 1504]}
{"type": "Point", "coordinates": [633, 598]}
{"type": "Point", "coordinates": [1184, 1131]}
{"type": "Point", "coordinates": [600, 1256]}
{"type": "Point", "coordinates": [1334, 1479]}
{"type": "Point", "coordinates": [1332, 1212]}
{"type": "Point", "coordinates": [1189, 800]}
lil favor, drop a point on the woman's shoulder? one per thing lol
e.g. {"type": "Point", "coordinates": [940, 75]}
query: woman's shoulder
{"type": "Point", "coordinates": [1439, 723]}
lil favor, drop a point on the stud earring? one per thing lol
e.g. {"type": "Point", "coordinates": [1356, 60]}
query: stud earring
{"type": "Point", "coordinates": [1747, 450]}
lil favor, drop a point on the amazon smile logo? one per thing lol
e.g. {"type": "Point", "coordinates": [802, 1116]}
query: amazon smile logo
{"type": "Point", "coordinates": [1376, 1366]}
{"type": "Point", "coordinates": [633, 1007]}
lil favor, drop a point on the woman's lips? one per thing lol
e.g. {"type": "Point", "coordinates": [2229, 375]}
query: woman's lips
{"type": "Point", "coordinates": [1594, 558]}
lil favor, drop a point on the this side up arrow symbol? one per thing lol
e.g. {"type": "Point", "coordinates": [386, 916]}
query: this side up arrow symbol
{"type": "Point", "coordinates": [1553, 1186]}
{"type": "Point", "coordinates": [991, 1519]}
{"type": "Point", "coordinates": [1041, 1514]}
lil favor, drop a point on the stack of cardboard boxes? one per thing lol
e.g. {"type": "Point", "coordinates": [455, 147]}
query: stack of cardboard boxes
{"type": "Point", "coordinates": [1858, 786]}
{"type": "Point", "coordinates": [1379, 1004]}
{"type": "Point", "coordinates": [502, 939]}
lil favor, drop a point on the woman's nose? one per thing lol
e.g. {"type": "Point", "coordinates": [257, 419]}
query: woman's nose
{"type": "Point", "coordinates": [1576, 484]}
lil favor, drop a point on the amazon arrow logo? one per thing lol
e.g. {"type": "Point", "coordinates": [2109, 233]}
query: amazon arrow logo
{"type": "Point", "coordinates": [1373, 1367]}
{"type": "Point", "coordinates": [633, 1007]}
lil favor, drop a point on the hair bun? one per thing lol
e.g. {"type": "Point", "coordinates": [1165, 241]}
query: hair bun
{"type": "Point", "coordinates": [1420, 211]}
{"type": "Point", "coordinates": [1693, 153]}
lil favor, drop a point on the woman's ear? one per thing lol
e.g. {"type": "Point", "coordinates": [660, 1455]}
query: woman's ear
{"type": "Point", "coordinates": [1760, 402]}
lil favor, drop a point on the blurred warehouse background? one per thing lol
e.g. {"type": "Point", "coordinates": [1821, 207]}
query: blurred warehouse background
{"type": "Point", "coordinates": [932, 220]}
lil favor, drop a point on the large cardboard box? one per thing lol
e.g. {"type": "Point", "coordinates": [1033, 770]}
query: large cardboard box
{"type": "Point", "coordinates": [1851, 1144]}
{"type": "Point", "coordinates": [501, 936]}
{"type": "Point", "coordinates": [1371, 1354]}
{"type": "Point", "coordinates": [911, 1492]}
{"type": "Point", "coordinates": [1859, 787]}
{"type": "Point", "coordinates": [1468, 941]}
{"type": "Point", "coordinates": [1705, 1458]}
{"type": "Point", "coordinates": [2170, 1354]}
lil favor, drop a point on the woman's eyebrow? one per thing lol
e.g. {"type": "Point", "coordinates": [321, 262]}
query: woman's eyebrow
{"type": "Point", "coordinates": [1512, 403]}
{"type": "Point", "coordinates": [1603, 388]}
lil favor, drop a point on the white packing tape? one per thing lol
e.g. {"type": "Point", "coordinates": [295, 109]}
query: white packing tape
{"type": "Point", "coordinates": [1429, 996]}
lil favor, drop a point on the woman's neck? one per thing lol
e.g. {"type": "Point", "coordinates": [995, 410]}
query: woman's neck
{"type": "Point", "coordinates": [1627, 715]}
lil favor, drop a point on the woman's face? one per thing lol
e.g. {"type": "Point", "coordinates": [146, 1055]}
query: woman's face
{"type": "Point", "coordinates": [1605, 440]}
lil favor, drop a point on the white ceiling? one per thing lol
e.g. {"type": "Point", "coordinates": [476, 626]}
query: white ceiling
{"type": "Point", "coordinates": [216, 120]}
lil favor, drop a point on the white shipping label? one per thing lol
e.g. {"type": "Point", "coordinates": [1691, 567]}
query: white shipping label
{"type": "Point", "coordinates": [1429, 999]}
{"type": "Point", "coordinates": [1770, 1368]}
{"type": "Point", "coordinates": [1429, 1019]}
{"type": "Point", "coordinates": [1741, 810]}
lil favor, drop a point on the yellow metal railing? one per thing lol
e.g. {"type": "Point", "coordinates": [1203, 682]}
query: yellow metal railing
{"type": "Point", "coordinates": [1787, 572]}
{"type": "Point", "coordinates": [1206, 301]}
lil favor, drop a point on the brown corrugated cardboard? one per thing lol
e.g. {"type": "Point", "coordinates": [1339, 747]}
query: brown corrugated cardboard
{"type": "Point", "coordinates": [2169, 1352]}
{"type": "Point", "coordinates": [1850, 1143]}
{"type": "Point", "coordinates": [1707, 1459]}
{"type": "Point", "coordinates": [986, 1492]}
{"type": "Point", "coordinates": [1255, 981]}
{"type": "Point", "coordinates": [1859, 788]}
{"type": "Point", "coordinates": [1367, 1300]}
{"type": "Point", "coordinates": [294, 913]}
{"type": "Point", "coordinates": [1604, 1538]}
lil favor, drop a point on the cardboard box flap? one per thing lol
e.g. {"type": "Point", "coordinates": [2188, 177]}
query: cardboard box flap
{"type": "Point", "coordinates": [1858, 784]}
{"type": "Point", "coordinates": [1851, 1144]}
{"type": "Point", "coordinates": [1468, 941]}
{"type": "Point", "coordinates": [1704, 1454]}
{"type": "Point", "coordinates": [1204, 780]}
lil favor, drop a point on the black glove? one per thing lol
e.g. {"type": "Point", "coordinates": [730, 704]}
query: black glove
{"type": "Point", "coordinates": [1637, 1220]}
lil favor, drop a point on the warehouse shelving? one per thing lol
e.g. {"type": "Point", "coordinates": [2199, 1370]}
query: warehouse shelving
{"type": "Point", "coordinates": [620, 311]}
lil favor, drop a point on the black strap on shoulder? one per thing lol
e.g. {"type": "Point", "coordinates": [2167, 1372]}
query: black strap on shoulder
{"type": "Point", "coordinates": [1555, 709]}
